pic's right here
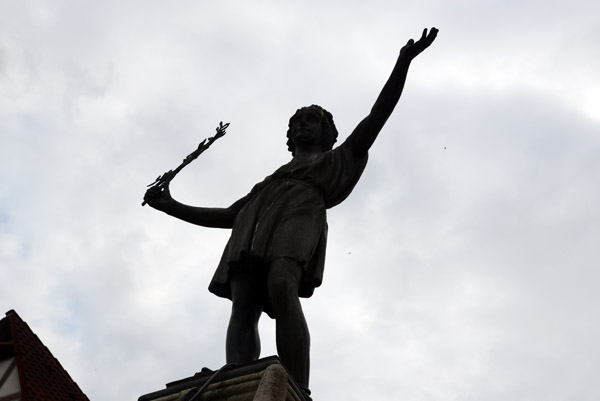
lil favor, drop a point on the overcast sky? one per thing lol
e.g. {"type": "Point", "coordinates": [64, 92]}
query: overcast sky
{"type": "Point", "coordinates": [464, 266]}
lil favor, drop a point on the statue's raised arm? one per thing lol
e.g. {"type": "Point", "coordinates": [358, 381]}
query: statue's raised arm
{"type": "Point", "coordinates": [367, 130]}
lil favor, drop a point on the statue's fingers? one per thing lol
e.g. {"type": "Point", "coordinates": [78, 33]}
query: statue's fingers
{"type": "Point", "coordinates": [430, 38]}
{"type": "Point", "coordinates": [432, 34]}
{"type": "Point", "coordinates": [148, 195]}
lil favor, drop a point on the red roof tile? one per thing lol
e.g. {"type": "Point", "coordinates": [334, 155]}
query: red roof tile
{"type": "Point", "coordinates": [41, 376]}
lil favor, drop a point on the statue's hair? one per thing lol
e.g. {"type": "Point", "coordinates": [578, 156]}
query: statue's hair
{"type": "Point", "coordinates": [329, 131]}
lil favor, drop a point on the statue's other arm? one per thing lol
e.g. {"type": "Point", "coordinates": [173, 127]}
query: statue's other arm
{"type": "Point", "coordinates": [367, 130]}
{"type": "Point", "coordinates": [202, 216]}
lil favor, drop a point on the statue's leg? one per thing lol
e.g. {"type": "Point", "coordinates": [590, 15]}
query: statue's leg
{"type": "Point", "coordinates": [293, 339]}
{"type": "Point", "coordinates": [243, 341]}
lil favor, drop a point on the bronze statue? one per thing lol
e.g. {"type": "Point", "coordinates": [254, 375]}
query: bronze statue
{"type": "Point", "coordinates": [276, 252]}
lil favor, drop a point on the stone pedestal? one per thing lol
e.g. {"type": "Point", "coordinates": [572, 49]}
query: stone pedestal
{"type": "Point", "coordinates": [262, 380]}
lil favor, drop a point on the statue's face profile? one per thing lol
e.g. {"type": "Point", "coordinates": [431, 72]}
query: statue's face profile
{"type": "Point", "coordinates": [306, 130]}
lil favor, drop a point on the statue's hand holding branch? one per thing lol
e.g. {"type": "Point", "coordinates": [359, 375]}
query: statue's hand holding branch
{"type": "Point", "coordinates": [160, 186]}
{"type": "Point", "coordinates": [412, 49]}
{"type": "Point", "coordinates": [158, 197]}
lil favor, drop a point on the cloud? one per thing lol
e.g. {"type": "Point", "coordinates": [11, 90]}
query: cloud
{"type": "Point", "coordinates": [461, 267]}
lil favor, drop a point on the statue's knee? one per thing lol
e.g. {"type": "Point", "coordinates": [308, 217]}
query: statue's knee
{"type": "Point", "coordinates": [279, 287]}
{"type": "Point", "coordinates": [246, 309]}
{"type": "Point", "coordinates": [282, 296]}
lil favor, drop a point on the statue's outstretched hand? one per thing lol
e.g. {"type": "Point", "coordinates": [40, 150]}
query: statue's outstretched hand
{"type": "Point", "coordinates": [412, 49]}
{"type": "Point", "coordinates": [158, 197]}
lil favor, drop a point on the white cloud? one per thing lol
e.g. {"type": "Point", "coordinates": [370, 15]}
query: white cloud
{"type": "Point", "coordinates": [462, 266]}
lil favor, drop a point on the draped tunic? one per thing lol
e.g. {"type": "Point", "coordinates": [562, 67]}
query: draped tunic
{"type": "Point", "coordinates": [284, 216]}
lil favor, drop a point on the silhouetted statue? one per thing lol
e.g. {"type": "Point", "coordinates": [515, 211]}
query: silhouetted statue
{"type": "Point", "coordinates": [276, 252]}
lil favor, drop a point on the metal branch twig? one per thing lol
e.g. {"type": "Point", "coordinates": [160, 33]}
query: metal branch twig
{"type": "Point", "coordinates": [163, 180]}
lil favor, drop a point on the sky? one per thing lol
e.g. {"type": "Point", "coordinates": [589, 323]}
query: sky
{"type": "Point", "coordinates": [464, 265]}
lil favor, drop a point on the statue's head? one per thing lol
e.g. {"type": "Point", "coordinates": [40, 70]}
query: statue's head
{"type": "Point", "coordinates": [328, 132]}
